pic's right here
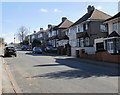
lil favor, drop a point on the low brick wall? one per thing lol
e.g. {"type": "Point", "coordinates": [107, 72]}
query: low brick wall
{"type": "Point", "coordinates": [101, 56]}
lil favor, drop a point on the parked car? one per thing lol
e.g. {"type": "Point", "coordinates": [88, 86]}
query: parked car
{"type": "Point", "coordinates": [24, 47]}
{"type": "Point", "coordinates": [37, 50]}
{"type": "Point", "coordinates": [10, 50]}
{"type": "Point", "coordinates": [50, 48]}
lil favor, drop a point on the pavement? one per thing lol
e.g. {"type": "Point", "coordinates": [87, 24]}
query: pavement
{"type": "Point", "coordinates": [89, 61]}
{"type": "Point", "coordinates": [6, 85]}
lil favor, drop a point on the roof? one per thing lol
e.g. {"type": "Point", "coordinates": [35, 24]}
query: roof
{"type": "Point", "coordinates": [50, 28]}
{"type": "Point", "coordinates": [93, 15]}
{"type": "Point", "coordinates": [40, 31]}
{"type": "Point", "coordinates": [64, 24]}
{"type": "Point", "coordinates": [115, 16]}
{"type": "Point", "coordinates": [99, 15]}
{"type": "Point", "coordinates": [114, 34]}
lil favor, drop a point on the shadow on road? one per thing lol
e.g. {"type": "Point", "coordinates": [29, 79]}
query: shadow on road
{"type": "Point", "coordinates": [10, 56]}
{"type": "Point", "coordinates": [44, 54]}
{"type": "Point", "coordinates": [77, 70]}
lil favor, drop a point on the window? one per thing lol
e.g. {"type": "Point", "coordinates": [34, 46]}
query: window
{"type": "Point", "coordinates": [78, 42]}
{"type": "Point", "coordinates": [53, 33]}
{"type": "Point", "coordinates": [110, 46]}
{"type": "Point", "coordinates": [118, 44]}
{"type": "Point", "coordinates": [115, 27]}
{"type": "Point", "coordinates": [87, 43]}
{"type": "Point", "coordinates": [82, 42]}
{"type": "Point", "coordinates": [81, 28]}
{"type": "Point", "coordinates": [103, 28]}
{"type": "Point", "coordinates": [40, 35]}
{"type": "Point", "coordinates": [86, 26]}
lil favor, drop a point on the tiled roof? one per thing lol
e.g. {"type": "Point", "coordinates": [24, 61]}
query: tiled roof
{"type": "Point", "coordinates": [64, 24]}
{"type": "Point", "coordinates": [99, 15]}
{"type": "Point", "coordinates": [93, 15]}
{"type": "Point", "coordinates": [115, 16]}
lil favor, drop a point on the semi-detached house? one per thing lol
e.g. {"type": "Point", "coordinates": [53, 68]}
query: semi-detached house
{"type": "Point", "coordinates": [55, 34]}
{"type": "Point", "coordinates": [111, 43]}
{"type": "Point", "coordinates": [83, 32]}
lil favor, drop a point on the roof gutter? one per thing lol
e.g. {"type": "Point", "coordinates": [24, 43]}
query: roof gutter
{"type": "Point", "coordinates": [111, 20]}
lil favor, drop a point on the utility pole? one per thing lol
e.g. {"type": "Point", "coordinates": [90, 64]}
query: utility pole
{"type": "Point", "coordinates": [14, 38]}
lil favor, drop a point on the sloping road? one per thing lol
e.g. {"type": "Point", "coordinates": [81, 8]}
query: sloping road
{"type": "Point", "coordinates": [36, 73]}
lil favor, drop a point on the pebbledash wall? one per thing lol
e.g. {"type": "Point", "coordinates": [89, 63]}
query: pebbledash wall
{"type": "Point", "coordinates": [101, 56]}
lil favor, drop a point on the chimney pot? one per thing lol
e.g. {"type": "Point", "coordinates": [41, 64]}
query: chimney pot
{"type": "Point", "coordinates": [41, 29]}
{"type": "Point", "coordinates": [34, 31]}
{"type": "Point", "coordinates": [63, 19]}
{"type": "Point", "coordinates": [90, 8]}
{"type": "Point", "coordinates": [49, 25]}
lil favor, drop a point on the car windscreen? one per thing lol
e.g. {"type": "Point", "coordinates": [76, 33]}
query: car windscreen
{"type": "Point", "coordinates": [10, 48]}
{"type": "Point", "coordinates": [37, 49]}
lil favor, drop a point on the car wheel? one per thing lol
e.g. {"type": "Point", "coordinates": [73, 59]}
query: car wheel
{"type": "Point", "coordinates": [15, 55]}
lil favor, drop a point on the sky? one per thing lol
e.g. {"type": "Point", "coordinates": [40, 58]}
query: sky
{"type": "Point", "coordinates": [36, 15]}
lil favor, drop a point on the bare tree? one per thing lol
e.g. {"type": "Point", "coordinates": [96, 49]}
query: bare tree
{"type": "Point", "coordinates": [22, 32]}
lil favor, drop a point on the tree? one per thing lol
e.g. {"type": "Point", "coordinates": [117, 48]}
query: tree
{"type": "Point", "coordinates": [24, 42]}
{"type": "Point", "coordinates": [22, 32]}
{"type": "Point", "coordinates": [36, 43]}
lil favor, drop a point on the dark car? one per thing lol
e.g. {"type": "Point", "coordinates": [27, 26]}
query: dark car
{"type": "Point", "coordinates": [37, 50]}
{"type": "Point", "coordinates": [10, 50]}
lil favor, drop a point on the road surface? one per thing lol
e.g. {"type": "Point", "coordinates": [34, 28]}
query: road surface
{"type": "Point", "coordinates": [36, 73]}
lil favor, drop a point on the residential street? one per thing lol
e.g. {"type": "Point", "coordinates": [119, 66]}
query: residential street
{"type": "Point", "coordinates": [36, 73]}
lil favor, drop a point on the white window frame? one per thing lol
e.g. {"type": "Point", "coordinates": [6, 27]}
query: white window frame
{"type": "Point", "coordinates": [110, 47]}
{"type": "Point", "coordinates": [115, 27]}
{"type": "Point", "coordinates": [103, 28]}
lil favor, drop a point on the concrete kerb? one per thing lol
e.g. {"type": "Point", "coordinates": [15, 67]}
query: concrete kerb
{"type": "Point", "coordinates": [12, 80]}
{"type": "Point", "coordinates": [4, 68]}
{"type": "Point", "coordinates": [0, 75]}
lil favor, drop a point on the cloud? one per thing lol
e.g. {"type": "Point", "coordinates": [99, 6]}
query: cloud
{"type": "Point", "coordinates": [99, 7]}
{"type": "Point", "coordinates": [57, 10]}
{"type": "Point", "coordinates": [43, 10]}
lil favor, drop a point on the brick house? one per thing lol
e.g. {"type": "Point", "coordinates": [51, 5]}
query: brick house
{"type": "Point", "coordinates": [89, 27]}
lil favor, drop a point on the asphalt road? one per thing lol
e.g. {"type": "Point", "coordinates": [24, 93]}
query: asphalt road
{"type": "Point", "coordinates": [36, 73]}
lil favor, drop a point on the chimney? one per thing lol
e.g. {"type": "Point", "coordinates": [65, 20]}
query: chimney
{"type": "Point", "coordinates": [63, 19]}
{"type": "Point", "coordinates": [49, 25]}
{"type": "Point", "coordinates": [90, 8]}
{"type": "Point", "coordinates": [34, 31]}
{"type": "Point", "coordinates": [41, 29]}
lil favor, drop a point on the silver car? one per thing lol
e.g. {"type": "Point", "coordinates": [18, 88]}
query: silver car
{"type": "Point", "coordinates": [37, 50]}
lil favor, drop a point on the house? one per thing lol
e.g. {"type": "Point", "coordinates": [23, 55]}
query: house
{"type": "Point", "coordinates": [50, 34]}
{"type": "Point", "coordinates": [63, 43]}
{"type": "Point", "coordinates": [33, 36]}
{"type": "Point", "coordinates": [112, 42]}
{"type": "Point", "coordinates": [89, 27]}
{"type": "Point", "coordinates": [55, 32]}
{"type": "Point", "coordinates": [41, 35]}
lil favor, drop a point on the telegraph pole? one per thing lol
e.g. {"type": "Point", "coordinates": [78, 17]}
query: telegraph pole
{"type": "Point", "coordinates": [14, 38]}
